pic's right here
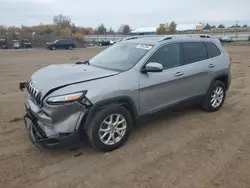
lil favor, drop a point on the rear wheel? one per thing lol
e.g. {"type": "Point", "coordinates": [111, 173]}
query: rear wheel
{"type": "Point", "coordinates": [110, 128]}
{"type": "Point", "coordinates": [70, 48]}
{"type": "Point", "coordinates": [215, 97]}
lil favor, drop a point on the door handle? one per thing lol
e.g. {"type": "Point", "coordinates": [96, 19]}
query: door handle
{"type": "Point", "coordinates": [211, 66]}
{"type": "Point", "coordinates": [178, 74]}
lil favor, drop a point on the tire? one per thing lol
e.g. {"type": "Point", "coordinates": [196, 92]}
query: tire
{"type": "Point", "coordinates": [53, 48]}
{"type": "Point", "coordinates": [95, 133]}
{"type": "Point", "coordinates": [212, 104]}
{"type": "Point", "coordinates": [70, 48]}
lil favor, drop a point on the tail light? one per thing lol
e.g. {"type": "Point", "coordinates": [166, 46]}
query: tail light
{"type": "Point", "coordinates": [230, 57]}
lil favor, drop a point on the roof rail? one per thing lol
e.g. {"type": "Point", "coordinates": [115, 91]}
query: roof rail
{"type": "Point", "coordinates": [174, 36]}
{"type": "Point", "coordinates": [138, 36]}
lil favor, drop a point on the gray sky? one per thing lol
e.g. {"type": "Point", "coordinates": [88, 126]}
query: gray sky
{"type": "Point", "coordinates": [116, 12]}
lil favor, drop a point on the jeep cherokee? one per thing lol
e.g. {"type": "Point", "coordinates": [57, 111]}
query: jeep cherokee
{"type": "Point", "coordinates": [104, 96]}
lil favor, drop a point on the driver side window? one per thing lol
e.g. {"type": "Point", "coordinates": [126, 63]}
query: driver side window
{"type": "Point", "coordinates": [168, 56]}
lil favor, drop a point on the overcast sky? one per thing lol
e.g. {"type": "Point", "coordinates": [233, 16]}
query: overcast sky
{"type": "Point", "coordinates": [113, 13]}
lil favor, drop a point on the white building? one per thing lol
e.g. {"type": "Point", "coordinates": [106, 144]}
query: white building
{"type": "Point", "coordinates": [151, 30]}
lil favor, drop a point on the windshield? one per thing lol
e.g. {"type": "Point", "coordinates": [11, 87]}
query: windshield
{"type": "Point", "coordinates": [120, 57]}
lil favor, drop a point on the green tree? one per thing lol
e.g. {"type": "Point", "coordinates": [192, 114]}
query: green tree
{"type": "Point", "coordinates": [172, 27]}
{"type": "Point", "coordinates": [244, 26]}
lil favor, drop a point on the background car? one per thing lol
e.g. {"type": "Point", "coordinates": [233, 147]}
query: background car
{"type": "Point", "coordinates": [3, 43]}
{"type": "Point", "coordinates": [104, 43]}
{"type": "Point", "coordinates": [25, 43]}
{"type": "Point", "coordinates": [226, 39]}
{"type": "Point", "coordinates": [61, 44]}
{"type": "Point", "coordinates": [15, 44]}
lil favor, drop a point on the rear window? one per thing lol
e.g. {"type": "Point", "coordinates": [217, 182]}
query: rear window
{"type": "Point", "coordinates": [193, 52]}
{"type": "Point", "coordinates": [212, 50]}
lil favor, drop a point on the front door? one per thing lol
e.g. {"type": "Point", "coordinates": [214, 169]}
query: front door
{"type": "Point", "coordinates": [161, 89]}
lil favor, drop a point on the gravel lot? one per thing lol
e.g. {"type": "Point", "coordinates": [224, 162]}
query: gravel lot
{"type": "Point", "coordinates": [185, 148]}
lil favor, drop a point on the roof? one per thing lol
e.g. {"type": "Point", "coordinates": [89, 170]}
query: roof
{"type": "Point", "coordinates": [179, 27]}
{"type": "Point", "coordinates": [153, 40]}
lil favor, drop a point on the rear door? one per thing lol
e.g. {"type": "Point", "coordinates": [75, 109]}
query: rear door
{"type": "Point", "coordinates": [197, 70]}
{"type": "Point", "coordinates": [59, 44]}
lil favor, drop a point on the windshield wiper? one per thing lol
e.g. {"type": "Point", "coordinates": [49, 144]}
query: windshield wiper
{"type": "Point", "coordinates": [83, 62]}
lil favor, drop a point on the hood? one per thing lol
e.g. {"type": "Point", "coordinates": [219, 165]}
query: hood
{"type": "Point", "coordinates": [49, 43]}
{"type": "Point", "coordinates": [57, 76]}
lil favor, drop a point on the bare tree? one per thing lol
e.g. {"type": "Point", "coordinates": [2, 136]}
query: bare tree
{"type": "Point", "coordinates": [62, 22]}
{"type": "Point", "coordinates": [3, 30]}
{"type": "Point", "coordinates": [161, 29]}
{"type": "Point", "coordinates": [111, 31]}
{"type": "Point", "coordinates": [126, 29]}
{"type": "Point", "coordinates": [221, 26]}
{"type": "Point", "coordinates": [101, 29]}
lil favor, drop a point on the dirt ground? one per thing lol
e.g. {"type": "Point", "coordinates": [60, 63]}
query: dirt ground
{"type": "Point", "coordinates": [186, 148]}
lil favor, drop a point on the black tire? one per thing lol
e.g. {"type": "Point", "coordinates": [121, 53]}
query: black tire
{"type": "Point", "coordinates": [70, 48]}
{"type": "Point", "coordinates": [207, 104]}
{"type": "Point", "coordinates": [100, 116]}
{"type": "Point", "coordinates": [53, 48]}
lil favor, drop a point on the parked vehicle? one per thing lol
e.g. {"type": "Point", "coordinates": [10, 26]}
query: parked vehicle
{"type": "Point", "coordinates": [112, 42]}
{"type": "Point", "coordinates": [25, 43]}
{"type": "Point", "coordinates": [226, 39]}
{"type": "Point", "coordinates": [16, 44]}
{"type": "Point", "coordinates": [3, 43]}
{"type": "Point", "coordinates": [68, 44]}
{"type": "Point", "coordinates": [104, 43]}
{"type": "Point", "coordinates": [103, 97]}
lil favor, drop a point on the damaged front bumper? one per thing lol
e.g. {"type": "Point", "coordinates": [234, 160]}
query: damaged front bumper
{"type": "Point", "coordinates": [40, 139]}
{"type": "Point", "coordinates": [54, 126]}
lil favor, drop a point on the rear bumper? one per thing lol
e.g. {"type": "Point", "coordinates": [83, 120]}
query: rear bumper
{"type": "Point", "coordinates": [40, 139]}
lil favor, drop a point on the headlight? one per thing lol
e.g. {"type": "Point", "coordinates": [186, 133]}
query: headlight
{"type": "Point", "coordinates": [66, 98]}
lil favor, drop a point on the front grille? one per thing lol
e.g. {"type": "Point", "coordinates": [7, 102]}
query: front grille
{"type": "Point", "coordinates": [34, 92]}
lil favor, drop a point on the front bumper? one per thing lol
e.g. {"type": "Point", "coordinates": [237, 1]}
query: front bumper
{"type": "Point", "coordinates": [39, 138]}
{"type": "Point", "coordinates": [54, 126]}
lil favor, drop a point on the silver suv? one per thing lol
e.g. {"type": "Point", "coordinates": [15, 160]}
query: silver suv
{"type": "Point", "coordinates": [103, 97]}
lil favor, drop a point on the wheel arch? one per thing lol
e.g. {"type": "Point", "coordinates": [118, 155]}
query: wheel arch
{"type": "Point", "coordinates": [225, 78]}
{"type": "Point", "coordinates": [124, 101]}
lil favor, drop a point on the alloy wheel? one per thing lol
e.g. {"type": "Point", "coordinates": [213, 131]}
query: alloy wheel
{"type": "Point", "coordinates": [113, 129]}
{"type": "Point", "coordinates": [217, 97]}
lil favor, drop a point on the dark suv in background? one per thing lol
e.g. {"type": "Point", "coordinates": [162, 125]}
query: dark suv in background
{"type": "Point", "coordinates": [61, 44]}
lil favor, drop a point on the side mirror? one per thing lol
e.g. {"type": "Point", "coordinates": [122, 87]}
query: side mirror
{"type": "Point", "coordinates": [152, 67]}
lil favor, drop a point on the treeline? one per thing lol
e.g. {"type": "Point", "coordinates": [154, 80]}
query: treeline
{"type": "Point", "coordinates": [62, 26]}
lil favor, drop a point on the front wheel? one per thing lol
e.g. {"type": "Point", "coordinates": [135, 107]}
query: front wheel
{"type": "Point", "coordinates": [110, 128]}
{"type": "Point", "coordinates": [215, 97]}
{"type": "Point", "coordinates": [70, 48]}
